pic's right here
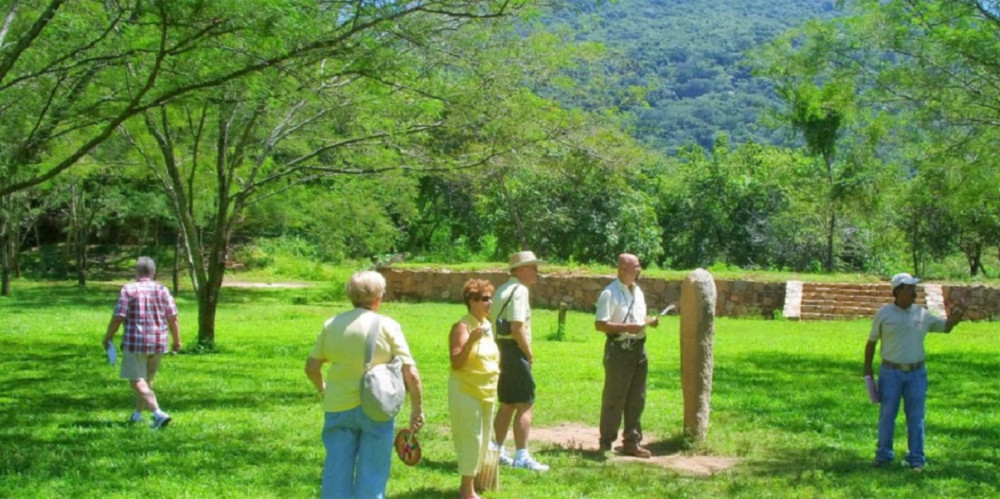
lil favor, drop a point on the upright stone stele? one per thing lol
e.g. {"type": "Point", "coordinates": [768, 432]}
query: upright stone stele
{"type": "Point", "coordinates": [697, 309]}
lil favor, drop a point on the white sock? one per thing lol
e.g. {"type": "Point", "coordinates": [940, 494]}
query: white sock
{"type": "Point", "coordinates": [521, 454]}
{"type": "Point", "coordinates": [160, 414]}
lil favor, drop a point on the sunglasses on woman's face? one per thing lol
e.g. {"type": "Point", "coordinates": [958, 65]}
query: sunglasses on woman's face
{"type": "Point", "coordinates": [485, 298]}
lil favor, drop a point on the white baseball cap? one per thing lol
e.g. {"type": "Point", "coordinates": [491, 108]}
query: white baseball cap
{"type": "Point", "coordinates": [903, 278]}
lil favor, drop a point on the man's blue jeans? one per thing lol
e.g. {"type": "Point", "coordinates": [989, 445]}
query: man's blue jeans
{"type": "Point", "coordinates": [358, 455]}
{"type": "Point", "coordinates": [911, 387]}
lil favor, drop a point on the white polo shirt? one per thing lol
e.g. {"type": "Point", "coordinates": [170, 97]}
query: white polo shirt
{"type": "Point", "coordinates": [613, 306]}
{"type": "Point", "coordinates": [903, 331]}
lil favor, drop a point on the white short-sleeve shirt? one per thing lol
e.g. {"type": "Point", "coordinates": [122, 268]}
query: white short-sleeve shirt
{"type": "Point", "coordinates": [519, 308]}
{"type": "Point", "coordinates": [620, 305]}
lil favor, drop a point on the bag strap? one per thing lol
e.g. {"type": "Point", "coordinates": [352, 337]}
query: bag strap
{"type": "Point", "coordinates": [628, 313]}
{"type": "Point", "coordinates": [504, 307]}
{"type": "Point", "coordinates": [370, 341]}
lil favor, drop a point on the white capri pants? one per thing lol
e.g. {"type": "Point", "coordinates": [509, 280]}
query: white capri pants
{"type": "Point", "coordinates": [471, 428]}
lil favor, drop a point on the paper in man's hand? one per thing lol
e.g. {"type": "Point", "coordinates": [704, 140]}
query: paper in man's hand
{"type": "Point", "coordinates": [872, 390]}
{"type": "Point", "coordinates": [112, 354]}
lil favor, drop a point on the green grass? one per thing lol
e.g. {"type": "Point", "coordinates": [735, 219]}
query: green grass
{"type": "Point", "coordinates": [788, 401]}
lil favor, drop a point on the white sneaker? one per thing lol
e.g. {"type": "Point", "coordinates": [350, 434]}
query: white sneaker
{"type": "Point", "coordinates": [160, 421]}
{"type": "Point", "coordinates": [505, 460]}
{"type": "Point", "coordinates": [136, 417]}
{"type": "Point", "coordinates": [529, 463]}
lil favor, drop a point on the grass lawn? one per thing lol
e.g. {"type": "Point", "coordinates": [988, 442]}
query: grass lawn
{"type": "Point", "coordinates": [788, 401]}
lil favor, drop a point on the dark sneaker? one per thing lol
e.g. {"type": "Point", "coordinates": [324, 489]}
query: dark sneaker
{"type": "Point", "coordinates": [878, 463]}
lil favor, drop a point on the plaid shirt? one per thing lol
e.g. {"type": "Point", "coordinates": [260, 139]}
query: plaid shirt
{"type": "Point", "coordinates": [145, 305]}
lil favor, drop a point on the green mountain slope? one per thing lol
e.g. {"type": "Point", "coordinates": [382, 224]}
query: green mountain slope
{"type": "Point", "coordinates": [689, 53]}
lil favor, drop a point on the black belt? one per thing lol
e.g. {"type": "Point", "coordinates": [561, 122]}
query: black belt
{"type": "Point", "coordinates": [903, 367]}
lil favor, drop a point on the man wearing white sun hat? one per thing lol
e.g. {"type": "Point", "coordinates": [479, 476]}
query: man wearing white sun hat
{"type": "Point", "coordinates": [511, 312]}
{"type": "Point", "coordinates": [902, 327]}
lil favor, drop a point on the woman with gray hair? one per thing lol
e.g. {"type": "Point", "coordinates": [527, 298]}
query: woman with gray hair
{"type": "Point", "coordinates": [358, 448]}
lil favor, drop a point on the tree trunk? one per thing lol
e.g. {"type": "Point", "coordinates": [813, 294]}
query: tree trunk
{"type": "Point", "coordinates": [521, 236]}
{"type": "Point", "coordinates": [208, 304]}
{"type": "Point", "coordinates": [208, 293]}
{"type": "Point", "coordinates": [79, 222]}
{"type": "Point", "coordinates": [976, 264]}
{"type": "Point", "coordinates": [830, 229]}
{"type": "Point", "coordinates": [81, 263]}
{"type": "Point", "coordinates": [8, 234]}
{"type": "Point", "coordinates": [831, 180]}
{"type": "Point", "coordinates": [5, 264]}
{"type": "Point", "coordinates": [177, 261]}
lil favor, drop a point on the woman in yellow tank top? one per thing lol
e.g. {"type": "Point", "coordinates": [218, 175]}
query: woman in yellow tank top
{"type": "Point", "coordinates": [472, 385]}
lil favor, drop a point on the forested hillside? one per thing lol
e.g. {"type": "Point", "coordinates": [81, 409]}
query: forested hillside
{"type": "Point", "coordinates": [486, 126]}
{"type": "Point", "coordinates": [689, 55]}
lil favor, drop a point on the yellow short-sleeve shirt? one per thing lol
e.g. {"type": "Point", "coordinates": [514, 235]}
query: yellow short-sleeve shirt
{"type": "Point", "coordinates": [342, 343]}
{"type": "Point", "coordinates": [478, 377]}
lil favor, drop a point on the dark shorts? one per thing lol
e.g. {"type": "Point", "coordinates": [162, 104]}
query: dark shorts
{"type": "Point", "coordinates": [516, 384]}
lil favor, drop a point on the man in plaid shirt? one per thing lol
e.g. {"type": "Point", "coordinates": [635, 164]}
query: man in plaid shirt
{"type": "Point", "coordinates": [148, 310]}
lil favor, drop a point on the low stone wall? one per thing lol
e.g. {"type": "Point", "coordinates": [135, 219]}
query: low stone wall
{"type": "Point", "coordinates": [984, 305]}
{"type": "Point", "coordinates": [580, 292]}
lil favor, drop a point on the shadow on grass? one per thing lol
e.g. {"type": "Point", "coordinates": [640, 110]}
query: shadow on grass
{"type": "Point", "coordinates": [97, 425]}
{"type": "Point", "coordinates": [432, 464]}
{"type": "Point", "coordinates": [676, 444]}
{"type": "Point", "coordinates": [44, 381]}
{"type": "Point", "coordinates": [665, 447]}
{"type": "Point", "coordinates": [822, 397]}
{"type": "Point", "coordinates": [66, 296]}
{"type": "Point", "coordinates": [131, 446]}
{"type": "Point", "coordinates": [427, 493]}
{"type": "Point", "coordinates": [63, 296]}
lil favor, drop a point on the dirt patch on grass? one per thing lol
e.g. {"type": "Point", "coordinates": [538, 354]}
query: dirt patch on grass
{"type": "Point", "coordinates": [585, 439]}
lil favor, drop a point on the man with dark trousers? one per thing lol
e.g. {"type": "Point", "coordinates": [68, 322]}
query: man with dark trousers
{"type": "Point", "coordinates": [621, 316]}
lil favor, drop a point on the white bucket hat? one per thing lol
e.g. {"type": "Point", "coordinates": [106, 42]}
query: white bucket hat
{"type": "Point", "coordinates": [522, 259]}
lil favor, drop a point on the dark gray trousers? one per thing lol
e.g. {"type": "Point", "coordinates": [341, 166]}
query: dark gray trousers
{"type": "Point", "coordinates": [625, 373]}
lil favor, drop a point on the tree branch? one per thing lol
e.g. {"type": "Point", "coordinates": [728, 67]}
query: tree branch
{"type": "Point", "coordinates": [29, 36]}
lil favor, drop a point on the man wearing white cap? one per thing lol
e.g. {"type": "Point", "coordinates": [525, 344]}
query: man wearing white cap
{"type": "Point", "coordinates": [902, 327]}
{"type": "Point", "coordinates": [511, 312]}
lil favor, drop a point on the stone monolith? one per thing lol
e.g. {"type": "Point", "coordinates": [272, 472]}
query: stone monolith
{"type": "Point", "coordinates": [697, 308]}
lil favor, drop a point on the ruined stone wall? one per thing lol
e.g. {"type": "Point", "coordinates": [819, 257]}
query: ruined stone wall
{"type": "Point", "coordinates": [735, 298]}
{"type": "Point", "coordinates": [985, 304]}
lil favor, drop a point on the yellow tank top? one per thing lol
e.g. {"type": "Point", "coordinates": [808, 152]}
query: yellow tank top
{"type": "Point", "coordinates": [478, 377]}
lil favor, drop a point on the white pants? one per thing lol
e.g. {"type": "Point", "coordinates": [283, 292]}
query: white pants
{"type": "Point", "coordinates": [471, 428]}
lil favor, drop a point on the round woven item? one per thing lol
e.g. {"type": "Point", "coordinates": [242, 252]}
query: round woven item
{"type": "Point", "coordinates": [407, 447]}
